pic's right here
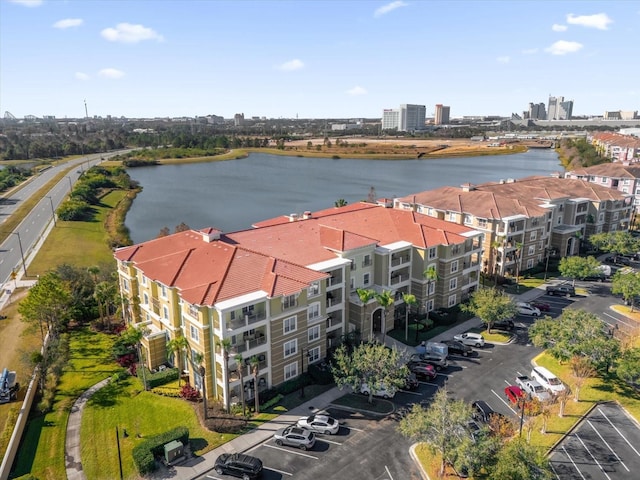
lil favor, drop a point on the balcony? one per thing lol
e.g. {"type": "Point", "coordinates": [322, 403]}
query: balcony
{"type": "Point", "coordinates": [400, 260]}
{"type": "Point", "coordinates": [396, 279]}
{"type": "Point", "coordinates": [251, 342]}
{"type": "Point", "coordinates": [334, 298]}
{"type": "Point", "coordinates": [334, 280]}
{"type": "Point", "coordinates": [246, 320]}
{"type": "Point", "coordinates": [469, 265]}
{"type": "Point", "coordinates": [333, 322]}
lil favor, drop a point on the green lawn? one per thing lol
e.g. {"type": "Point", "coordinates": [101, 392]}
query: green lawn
{"type": "Point", "coordinates": [361, 402]}
{"type": "Point", "coordinates": [82, 244]}
{"type": "Point", "coordinates": [42, 449]}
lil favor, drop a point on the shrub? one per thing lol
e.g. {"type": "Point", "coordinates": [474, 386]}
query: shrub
{"type": "Point", "coordinates": [167, 391]}
{"type": "Point", "coordinates": [272, 402]}
{"type": "Point", "coordinates": [144, 454]}
{"type": "Point", "coordinates": [189, 393]}
{"type": "Point", "coordinates": [321, 373]}
{"type": "Point", "coordinates": [159, 378]}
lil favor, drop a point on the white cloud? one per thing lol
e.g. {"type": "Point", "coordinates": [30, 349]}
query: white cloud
{"type": "Point", "coordinates": [357, 90]}
{"type": "Point", "coordinates": [530, 51]}
{"type": "Point", "coordinates": [562, 47]}
{"type": "Point", "coordinates": [68, 23]}
{"type": "Point", "coordinates": [82, 76]}
{"type": "Point", "coordinates": [503, 59]}
{"type": "Point", "coordinates": [600, 21]}
{"type": "Point", "coordinates": [129, 33]}
{"type": "Point", "coordinates": [291, 65]}
{"type": "Point", "coordinates": [389, 7]}
{"type": "Point", "coordinates": [556, 27]}
{"type": "Point", "coordinates": [111, 73]}
{"type": "Point", "coordinates": [28, 3]}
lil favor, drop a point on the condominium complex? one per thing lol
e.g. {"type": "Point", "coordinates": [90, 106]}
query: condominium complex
{"type": "Point", "coordinates": [527, 219]}
{"type": "Point", "coordinates": [285, 291]}
{"type": "Point", "coordinates": [616, 147]}
{"type": "Point", "coordinates": [441, 116]}
{"type": "Point", "coordinates": [407, 118]}
{"type": "Point", "coordinates": [621, 177]}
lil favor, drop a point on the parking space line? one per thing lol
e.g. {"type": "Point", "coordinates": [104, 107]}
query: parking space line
{"type": "Point", "coordinates": [608, 446]}
{"type": "Point", "coordinates": [275, 447]}
{"type": "Point", "coordinates": [572, 462]}
{"type": "Point", "coordinates": [503, 401]}
{"type": "Point", "coordinates": [432, 384]}
{"type": "Point", "coordinates": [619, 432]}
{"type": "Point", "coordinates": [354, 428]}
{"type": "Point", "coordinates": [279, 471]}
{"type": "Point", "coordinates": [410, 393]}
{"type": "Point", "coordinates": [328, 441]}
{"type": "Point", "coordinates": [617, 320]}
{"type": "Point", "coordinates": [591, 455]}
{"type": "Point", "coordinates": [388, 472]}
{"type": "Point", "coordinates": [554, 470]}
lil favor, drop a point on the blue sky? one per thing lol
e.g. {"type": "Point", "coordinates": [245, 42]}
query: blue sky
{"type": "Point", "coordinates": [315, 59]}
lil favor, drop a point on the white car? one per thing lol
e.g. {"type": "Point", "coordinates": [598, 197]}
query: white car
{"type": "Point", "coordinates": [470, 338]}
{"type": "Point", "coordinates": [320, 424]}
{"type": "Point", "coordinates": [384, 392]}
{"type": "Point", "coordinates": [527, 309]}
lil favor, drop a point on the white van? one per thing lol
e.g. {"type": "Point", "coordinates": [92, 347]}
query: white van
{"type": "Point", "coordinates": [547, 379]}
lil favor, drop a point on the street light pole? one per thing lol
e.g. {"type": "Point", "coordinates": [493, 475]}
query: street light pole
{"type": "Point", "coordinates": [70, 184]}
{"type": "Point", "coordinates": [302, 352]}
{"type": "Point", "coordinates": [53, 212]}
{"type": "Point", "coordinates": [24, 265]}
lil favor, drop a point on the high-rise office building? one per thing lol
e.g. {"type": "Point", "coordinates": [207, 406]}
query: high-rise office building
{"type": "Point", "coordinates": [441, 114]}
{"type": "Point", "coordinates": [559, 109]}
{"type": "Point", "coordinates": [537, 111]}
{"type": "Point", "coordinates": [405, 119]}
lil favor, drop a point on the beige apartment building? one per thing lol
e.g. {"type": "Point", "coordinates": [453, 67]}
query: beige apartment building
{"type": "Point", "coordinates": [286, 291]}
{"type": "Point", "coordinates": [526, 220]}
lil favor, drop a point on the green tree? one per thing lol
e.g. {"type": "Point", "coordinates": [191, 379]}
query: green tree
{"type": "Point", "coordinates": [628, 369]}
{"type": "Point", "coordinates": [409, 301]}
{"type": "Point", "coordinates": [369, 363]}
{"type": "Point", "coordinates": [239, 365]}
{"type": "Point", "coordinates": [490, 305]}
{"type": "Point", "coordinates": [620, 242]}
{"type": "Point", "coordinates": [105, 295]}
{"type": "Point", "coordinates": [495, 245]}
{"type": "Point", "coordinates": [365, 295]}
{"type": "Point", "coordinates": [578, 267]}
{"type": "Point", "coordinates": [575, 332]}
{"type": "Point", "coordinates": [442, 426]}
{"type": "Point", "coordinates": [47, 305]}
{"type": "Point", "coordinates": [341, 202]}
{"type": "Point", "coordinates": [521, 461]}
{"type": "Point", "coordinates": [179, 346]}
{"type": "Point", "coordinates": [385, 300]}
{"type": "Point", "coordinates": [477, 452]}
{"type": "Point", "coordinates": [626, 284]}
{"type": "Point", "coordinates": [225, 346]}
{"type": "Point", "coordinates": [255, 369]}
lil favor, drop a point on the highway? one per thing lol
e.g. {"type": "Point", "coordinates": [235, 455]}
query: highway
{"type": "Point", "coordinates": [21, 241]}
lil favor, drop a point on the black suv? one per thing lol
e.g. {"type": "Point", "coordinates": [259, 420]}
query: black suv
{"type": "Point", "coordinates": [458, 348]}
{"type": "Point", "coordinates": [411, 382]}
{"type": "Point", "coordinates": [506, 324]}
{"type": "Point", "coordinates": [482, 412]}
{"type": "Point", "coordinates": [563, 290]}
{"type": "Point", "coordinates": [239, 465]}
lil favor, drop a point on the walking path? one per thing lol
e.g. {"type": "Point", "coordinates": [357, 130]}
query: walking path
{"type": "Point", "coordinates": [196, 466]}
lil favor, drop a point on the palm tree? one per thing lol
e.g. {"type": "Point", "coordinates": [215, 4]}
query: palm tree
{"type": "Point", "coordinates": [517, 257]}
{"type": "Point", "coordinates": [104, 293]}
{"type": "Point", "coordinates": [225, 346]}
{"type": "Point", "coordinates": [495, 245]}
{"type": "Point", "coordinates": [385, 300]}
{"type": "Point", "coordinates": [178, 345]}
{"type": "Point", "coordinates": [94, 271]}
{"type": "Point", "coordinates": [409, 301]}
{"type": "Point", "coordinates": [255, 367]}
{"type": "Point", "coordinates": [238, 358]}
{"type": "Point", "coordinates": [341, 202]}
{"type": "Point", "coordinates": [197, 360]}
{"type": "Point", "coordinates": [365, 295]}
{"type": "Point", "coordinates": [431, 274]}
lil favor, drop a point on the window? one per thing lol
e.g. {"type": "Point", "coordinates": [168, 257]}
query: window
{"type": "Point", "coordinates": [601, 217]}
{"type": "Point", "coordinates": [193, 311]}
{"type": "Point", "coordinates": [430, 305]}
{"type": "Point", "coordinates": [534, 235]}
{"type": "Point", "coordinates": [195, 334]}
{"type": "Point", "coordinates": [454, 266]}
{"type": "Point", "coordinates": [532, 250]}
{"type": "Point", "coordinates": [314, 333]}
{"type": "Point", "coordinates": [615, 215]}
{"type": "Point", "coordinates": [432, 253]}
{"type": "Point", "coordinates": [453, 284]}
{"type": "Point", "coordinates": [353, 265]}
{"type": "Point", "coordinates": [365, 279]}
{"type": "Point", "coordinates": [452, 301]}
{"type": "Point", "coordinates": [603, 180]}
{"type": "Point", "coordinates": [145, 299]}
{"type": "Point", "coordinates": [560, 220]}
{"type": "Point", "coordinates": [430, 212]}
{"type": "Point", "coordinates": [366, 262]}
{"type": "Point", "coordinates": [530, 263]}
{"type": "Point", "coordinates": [468, 219]}
{"type": "Point", "coordinates": [290, 348]}
{"type": "Point", "coordinates": [313, 311]}
{"type": "Point", "coordinates": [452, 216]}
{"type": "Point", "coordinates": [314, 289]}
{"type": "Point", "coordinates": [432, 288]}
{"type": "Point", "coordinates": [165, 312]}
{"type": "Point", "coordinates": [352, 283]}
{"type": "Point", "coordinates": [125, 284]}
{"type": "Point", "coordinates": [290, 371]}
{"type": "Point", "coordinates": [289, 325]}
{"type": "Point", "coordinates": [482, 222]}
{"type": "Point", "coordinates": [163, 291]}
{"type": "Point", "coordinates": [144, 280]}
{"type": "Point", "coordinates": [289, 301]}
{"type": "Point", "coordinates": [314, 355]}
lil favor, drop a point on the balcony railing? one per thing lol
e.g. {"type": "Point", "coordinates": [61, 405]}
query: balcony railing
{"type": "Point", "coordinates": [334, 280]}
{"type": "Point", "coordinates": [400, 260]}
{"type": "Point", "coordinates": [399, 279]}
{"type": "Point", "coordinates": [248, 344]}
{"type": "Point", "coordinates": [247, 320]}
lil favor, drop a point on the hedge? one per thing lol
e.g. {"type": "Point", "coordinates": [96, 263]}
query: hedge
{"type": "Point", "coordinates": [144, 454]}
{"type": "Point", "coordinates": [159, 378]}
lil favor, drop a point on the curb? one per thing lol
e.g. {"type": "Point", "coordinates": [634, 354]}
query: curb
{"type": "Point", "coordinates": [370, 412]}
{"type": "Point", "coordinates": [575, 425]}
{"type": "Point", "coordinates": [414, 457]}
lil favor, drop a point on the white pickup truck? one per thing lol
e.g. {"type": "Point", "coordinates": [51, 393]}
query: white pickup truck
{"type": "Point", "coordinates": [533, 388]}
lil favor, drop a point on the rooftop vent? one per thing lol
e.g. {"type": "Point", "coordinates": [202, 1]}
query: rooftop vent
{"type": "Point", "coordinates": [467, 187]}
{"type": "Point", "coordinates": [210, 234]}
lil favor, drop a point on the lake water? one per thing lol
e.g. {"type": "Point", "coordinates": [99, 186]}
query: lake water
{"type": "Point", "coordinates": [232, 195]}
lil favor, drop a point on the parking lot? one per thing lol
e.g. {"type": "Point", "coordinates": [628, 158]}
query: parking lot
{"type": "Point", "coordinates": [368, 446]}
{"type": "Point", "coordinates": [605, 445]}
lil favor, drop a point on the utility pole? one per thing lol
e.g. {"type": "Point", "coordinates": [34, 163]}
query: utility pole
{"type": "Point", "coordinates": [86, 112]}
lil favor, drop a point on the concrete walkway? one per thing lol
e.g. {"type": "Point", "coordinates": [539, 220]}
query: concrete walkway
{"type": "Point", "coordinates": [72, 444]}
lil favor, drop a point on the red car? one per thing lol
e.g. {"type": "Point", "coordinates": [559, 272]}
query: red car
{"type": "Point", "coordinates": [422, 370]}
{"type": "Point", "coordinates": [514, 393]}
{"type": "Point", "coordinates": [543, 307]}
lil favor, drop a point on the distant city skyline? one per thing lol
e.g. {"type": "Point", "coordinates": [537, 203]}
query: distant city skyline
{"type": "Point", "coordinates": [314, 59]}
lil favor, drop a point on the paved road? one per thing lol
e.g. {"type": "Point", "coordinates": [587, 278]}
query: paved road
{"type": "Point", "coordinates": [24, 238]}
